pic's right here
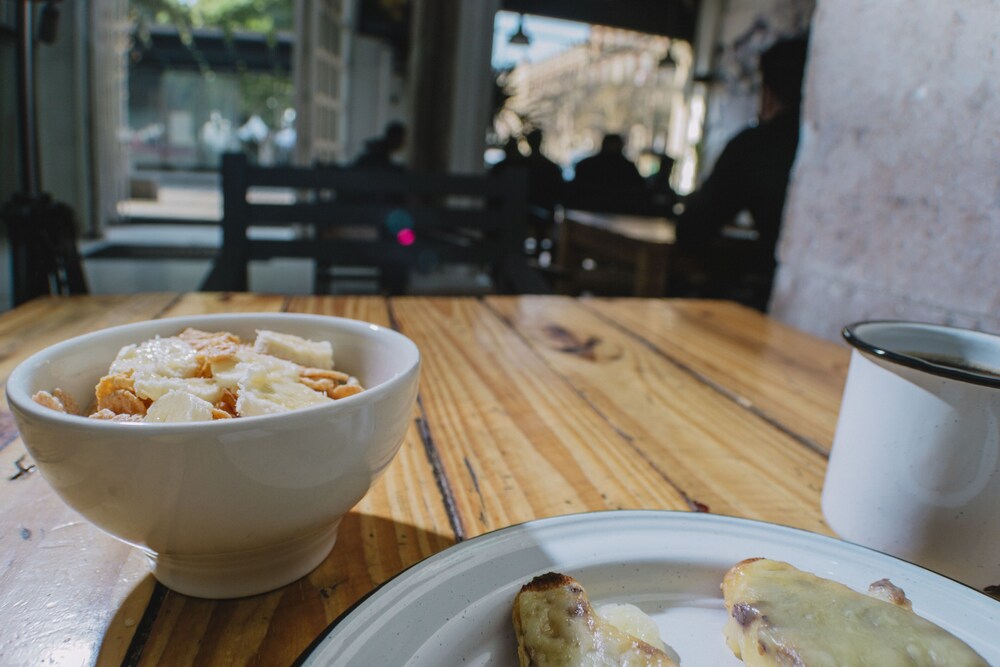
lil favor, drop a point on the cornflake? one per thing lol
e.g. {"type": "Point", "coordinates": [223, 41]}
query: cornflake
{"type": "Point", "coordinates": [202, 376]}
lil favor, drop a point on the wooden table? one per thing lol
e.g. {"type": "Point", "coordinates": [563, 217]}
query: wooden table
{"type": "Point", "coordinates": [641, 243]}
{"type": "Point", "coordinates": [529, 407]}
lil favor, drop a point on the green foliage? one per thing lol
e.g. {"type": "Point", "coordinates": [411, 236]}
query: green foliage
{"type": "Point", "coordinates": [263, 16]}
{"type": "Point", "coordinates": [266, 94]}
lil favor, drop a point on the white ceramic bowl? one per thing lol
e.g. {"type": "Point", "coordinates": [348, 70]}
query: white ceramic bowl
{"type": "Point", "coordinates": [231, 507]}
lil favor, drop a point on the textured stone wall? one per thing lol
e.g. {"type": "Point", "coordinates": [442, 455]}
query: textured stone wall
{"type": "Point", "coordinates": [894, 206]}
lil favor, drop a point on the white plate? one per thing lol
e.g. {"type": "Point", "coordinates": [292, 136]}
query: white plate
{"type": "Point", "coordinates": [455, 607]}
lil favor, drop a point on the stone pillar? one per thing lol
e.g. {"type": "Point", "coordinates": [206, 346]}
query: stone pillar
{"type": "Point", "coordinates": [451, 84]}
{"type": "Point", "coordinates": [434, 40]}
{"type": "Point", "coordinates": [894, 205]}
{"type": "Point", "coordinates": [472, 102]}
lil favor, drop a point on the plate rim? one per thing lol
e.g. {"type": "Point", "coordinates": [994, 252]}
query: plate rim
{"type": "Point", "coordinates": [498, 533]}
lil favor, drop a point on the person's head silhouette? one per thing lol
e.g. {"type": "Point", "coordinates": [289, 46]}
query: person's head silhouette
{"type": "Point", "coordinates": [781, 69]}
{"type": "Point", "coordinates": [612, 143]}
{"type": "Point", "coordinates": [395, 136]}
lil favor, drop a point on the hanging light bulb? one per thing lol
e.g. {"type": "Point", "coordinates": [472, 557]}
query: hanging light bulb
{"type": "Point", "coordinates": [520, 37]}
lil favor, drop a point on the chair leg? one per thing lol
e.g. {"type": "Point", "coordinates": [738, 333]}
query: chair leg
{"type": "Point", "coordinates": [394, 278]}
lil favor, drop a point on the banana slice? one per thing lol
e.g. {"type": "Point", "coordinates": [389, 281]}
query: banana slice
{"type": "Point", "coordinates": [179, 406]}
{"type": "Point", "coordinates": [161, 365]}
{"type": "Point", "coordinates": [155, 387]}
{"type": "Point", "coordinates": [165, 357]}
{"type": "Point", "coordinates": [246, 364]}
{"type": "Point", "coordinates": [308, 353]}
{"type": "Point", "coordinates": [262, 392]}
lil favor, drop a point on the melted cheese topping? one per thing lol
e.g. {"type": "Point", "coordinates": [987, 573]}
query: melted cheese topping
{"type": "Point", "coordinates": [779, 615]}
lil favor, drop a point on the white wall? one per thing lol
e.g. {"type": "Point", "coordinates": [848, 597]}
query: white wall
{"type": "Point", "coordinates": [894, 206]}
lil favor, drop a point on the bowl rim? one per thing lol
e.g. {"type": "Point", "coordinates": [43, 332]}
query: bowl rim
{"type": "Point", "coordinates": [19, 398]}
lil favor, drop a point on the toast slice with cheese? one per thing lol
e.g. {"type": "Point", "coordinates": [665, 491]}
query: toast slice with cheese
{"type": "Point", "coordinates": [556, 626]}
{"type": "Point", "coordinates": [782, 616]}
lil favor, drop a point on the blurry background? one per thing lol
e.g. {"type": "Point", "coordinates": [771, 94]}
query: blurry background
{"type": "Point", "coordinates": [895, 197]}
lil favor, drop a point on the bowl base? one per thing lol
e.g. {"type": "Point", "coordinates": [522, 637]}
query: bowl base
{"type": "Point", "coordinates": [234, 575]}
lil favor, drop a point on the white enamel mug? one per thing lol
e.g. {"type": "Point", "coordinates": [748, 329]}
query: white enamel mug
{"type": "Point", "coordinates": [915, 466]}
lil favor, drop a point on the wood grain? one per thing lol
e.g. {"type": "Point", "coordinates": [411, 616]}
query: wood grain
{"type": "Point", "coordinates": [206, 303]}
{"type": "Point", "coordinates": [516, 440]}
{"type": "Point", "coordinates": [62, 578]}
{"type": "Point", "coordinates": [723, 457]}
{"type": "Point", "coordinates": [529, 407]}
{"type": "Point", "coordinates": [794, 381]}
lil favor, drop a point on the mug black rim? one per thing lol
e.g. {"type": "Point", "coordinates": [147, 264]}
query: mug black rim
{"type": "Point", "coordinates": [851, 335]}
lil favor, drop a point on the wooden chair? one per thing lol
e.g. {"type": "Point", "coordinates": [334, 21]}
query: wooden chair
{"type": "Point", "coordinates": [43, 247]}
{"type": "Point", "coordinates": [729, 268]}
{"type": "Point", "coordinates": [395, 221]}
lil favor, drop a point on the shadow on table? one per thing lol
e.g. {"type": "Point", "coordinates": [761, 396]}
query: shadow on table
{"type": "Point", "coordinates": [280, 624]}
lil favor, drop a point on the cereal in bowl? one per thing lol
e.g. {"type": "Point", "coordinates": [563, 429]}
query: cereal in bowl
{"type": "Point", "coordinates": [201, 376]}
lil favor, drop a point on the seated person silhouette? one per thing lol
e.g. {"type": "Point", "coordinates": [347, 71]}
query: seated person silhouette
{"type": "Point", "coordinates": [545, 180]}
{"type": "Point", "coordinates": [662, 194]}
{"type": "Point", "coordinates": [545, 183]}
{"type": "Point", "coordinates": [545, 188]}
{"type": "Point", "coordinates": [750, 175]}
{"type": "Point", "coordinates": [607, 180]}
{"type": "Point", "coordinates": [378, 152]}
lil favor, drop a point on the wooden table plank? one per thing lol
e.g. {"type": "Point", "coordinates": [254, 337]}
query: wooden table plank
{"type": "Point", "coordinates": [529, 407]}
{"type": "Point", "coordinates": [44, 321]}
{"type": "Point", "coordinates": [401, 521]}
{"type": "Point", "coordinates": [206, 303]}
{"type": "Point", "coordinates": [63, 580]}
{"type": "Point", "coordinates": [516, 441]}
{"type": "Point", "coordinates": [717, 452]}
{"type": "Point", "coordinates": [62, 577]}
{"type": "Point", "coordinates": [790, 378]}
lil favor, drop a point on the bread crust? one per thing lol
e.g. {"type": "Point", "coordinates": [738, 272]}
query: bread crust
{"type": "Point", "coordinates": [556, 625]}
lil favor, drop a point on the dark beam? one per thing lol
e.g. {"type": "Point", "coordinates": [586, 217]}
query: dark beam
{"type": "Point", "coordinates": [254, 52]}
{"type": "Point", "coordinates": [673, 18]}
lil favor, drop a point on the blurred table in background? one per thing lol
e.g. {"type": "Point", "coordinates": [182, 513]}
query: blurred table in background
{"type": "Point", "coordinates": [529, 407]}
{"type": "Point", "coordinates": [631, 250]}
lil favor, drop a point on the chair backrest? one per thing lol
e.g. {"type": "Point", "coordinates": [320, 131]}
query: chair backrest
{"type": "Point", "coordinates": [43, 247]}
{"type": "Point", "coordinates": [387, 219]}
